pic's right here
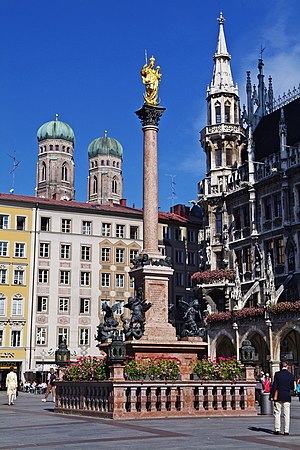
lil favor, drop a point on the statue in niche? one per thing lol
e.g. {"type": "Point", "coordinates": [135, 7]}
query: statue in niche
{"type": "Point", "coordinates": [138, 306]}
{"type": "Point", "coordinates": [107, 329]}
{"type": "Point", "coordinates": [191, 316]}
{"type": "Point", "coordinates": [151, 79]}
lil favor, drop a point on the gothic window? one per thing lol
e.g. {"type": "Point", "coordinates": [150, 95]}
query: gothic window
{"type": "Point", "coordinates": [218, 113]}
{"type": "Point", "coordinates": [218, 157]}
{"type": "Point", "coordinates": [248, 259]}
{"type": "Point", "coordinates": [219, 223]}
{"type": "Point", "coordinates": [279, 251]}
{"type": "Point", "coordinates": [268, 208]}
{"type": "Point", "coordinates": [227, 113]}
{"type": "Point", "coordinates": [114, 185]}
{"type": "Point", "coordinates": [102, 162]}
{"type": "Point", "coordinates": [291, 259]}
{"type": "Point", "coordinates": [64, 172]}
{"type": "Point", "coordinates": [95, 185]}
{"type": "Point", "coordinates": [228, 157]}
{"type": "Point", "coordinates": [277, 205]}
{"type": "Point", "coordinates": [44, 172]}
{"type": "Point", "coordinates": [246, 215]}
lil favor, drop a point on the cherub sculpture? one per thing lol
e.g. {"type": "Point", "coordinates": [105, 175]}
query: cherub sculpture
{"type": "Point", "coordinates": [138, 306]}
{"type": "Point", "coordinates": [109, 327]}
{"type": "Point", "coordinates": [191, 315]}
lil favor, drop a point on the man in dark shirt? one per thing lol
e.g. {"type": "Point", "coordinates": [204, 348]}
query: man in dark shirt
{"type": "Point", "coordinates": [281, 394]}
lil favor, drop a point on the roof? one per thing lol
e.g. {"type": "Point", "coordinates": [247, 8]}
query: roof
{"type": "Point", "coordinates": [266, 134]}
{"type": "Point", "coordinates": [91, 208]}
{"type": "Point", "coordinates": [55, 129]}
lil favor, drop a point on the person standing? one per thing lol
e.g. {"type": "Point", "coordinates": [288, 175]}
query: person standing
{"type": "Point", "coordinates": [51, 385]}
{"type": "Point", "coordinates": [11, 385]}
{"type": "Point", "coordinates": [281, 395]}
{"type": "Point", "coordinates": [298, 388]}
{"type": "Point", "coordinates": [267, 384]}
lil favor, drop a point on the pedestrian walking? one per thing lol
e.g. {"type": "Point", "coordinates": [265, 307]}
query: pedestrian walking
{"type": "Point", "coordinates": [50, 385]}
{"type": "Point", "coordinates": [298, 387]}
{"type": "Point", "coordinates": [281, 395]}
{"type": "Point", "coordinates": [11, 385]}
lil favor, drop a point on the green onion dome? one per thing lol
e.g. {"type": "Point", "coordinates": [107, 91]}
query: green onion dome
{"type": "Point", "coordinates": [56, 129]}
{"type": "Point", "coordinates": [105, 146]}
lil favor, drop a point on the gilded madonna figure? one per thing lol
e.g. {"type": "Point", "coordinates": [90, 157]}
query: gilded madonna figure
{"type": "Point", "coordinates": [151, 79]}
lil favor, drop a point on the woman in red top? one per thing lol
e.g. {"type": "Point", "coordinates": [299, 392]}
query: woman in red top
{"type": "Point", "coordinates": [267, 383]}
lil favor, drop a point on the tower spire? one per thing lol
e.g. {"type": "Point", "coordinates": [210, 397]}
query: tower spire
{"type": "Point", "coordinates": [222, 79]}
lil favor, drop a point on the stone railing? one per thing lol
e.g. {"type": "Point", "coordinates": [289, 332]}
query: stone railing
{"type": "Point", "coordinates": [133, 399]}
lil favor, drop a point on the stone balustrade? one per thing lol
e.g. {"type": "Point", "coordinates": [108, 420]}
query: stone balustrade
{"type": "Point", "coordinates": [133, 399]}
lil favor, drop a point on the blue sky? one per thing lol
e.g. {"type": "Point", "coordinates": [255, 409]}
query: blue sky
{"type": "Point", "coordinates": [82, 59]}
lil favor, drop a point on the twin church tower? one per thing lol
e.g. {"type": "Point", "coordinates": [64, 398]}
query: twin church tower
{"type": "Point", "coordinates": [55, 166]}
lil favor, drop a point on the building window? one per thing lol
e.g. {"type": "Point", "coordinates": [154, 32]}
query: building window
{"type": "Point", "coordinates": [279, 245]}
{"type": "Point", "coordinates": [3, 276]}
{"type": "Point", "coordinates": [95, 185]}
{"type": "Point", "coordinates": [63, 305]}
{"type": "Point", "coordinates": [228, 157]}
{"type": "Point", "coordinates": [102, 303]}
{"type": "Point", "coordinates": [120, 305]}
{"type": "Point", "coordinates": [105, 279]}
{"type": "Point", "coordinates": [44, 172]}
{"type": "Point", "coordinates": [86, 227]}
{"type": "Point", "coordinates": [19, 250]}
{"type": "Point", "coordinates": [43, 276]}
{"type": "Point", "coordinates": [227, 114]}
{"type": "Point", "coordinates": [114, 185]}
{"type": "Point", "coordinates": [163, 251]}
{"type": "Point", "coordinates": [21, 223]}
{"type": "Point", "coordinates": [133, 254]}
{"type": "Point", "coordinates": [191, 236]}
{"type": "Point", "coordinates": [134, 232]}
{"type": "Point", "coordinates": [45, 224]}
{"type": "Point", "coordinates": [218, 113]}
{"type": "Point", "coordinates": [179, 279]}
{"type": "Point", "coordinates": [17, 306]}
{"type": "Point", "coordinates": [120, 231]}
{"type": "Point", "coordinates": [3, 222]}
{"type": "Point", "coordinates": [248, 259]}
{"type": "Point", "coordinates": [15, 339]}
{"type": "Point", "coordinates": [65, 251]}
{"type": "Point", "coordinates": [3, 248]}
{"type": "Point", "coordinates": [218, 219]}
{"type": "Point", "coordinates": [270, 249]}
{"type": "Point", "coordinates": [1, 338]}
{"type": "Point", "coordinates": [64, 277]}
{"type": "Point", "coordinates": [119, 281]}
{"type": "Point", "coordinates": [178, 234]}
{"type": "Point", "coordinates": [105, 254]}
{"type": "Point", "coordinates": [106, 229]}
{"type": "Point", "coordinates": [131, 282]}
{"type": "Point", "coordinates": [246, 215]}
{"type": "Point", "coordinates": [166, 232]}
{"type": "Point", "coordinates": [66, 225]}
{"type": "Point", "coordinates": [218, 157]}
{"type": "Point", "coordinates": [64, 172]}
{"type": "Point", "coordinates": [44, 250]}
{"type": "Point", "coordinates": [42, 304]}
{"type": "Point", "coordinates": [41, 336]}
{"type": "Point", "coordinates": [120, 255]}
{"type": "Point", "coordinates": [84, 306]}
{"type": "Point", "coordinates": [191, 258]}
{"type": "Point", "coordinates": [85, 278]}
{"type": "Point", "coordinates": [268, 208]}
{"type": "Point", "coordinates": [277, 205]}
{"type": "Point", "coordinates": [84, 336]}
{"type": "Point", "coordinates": [2, 305]}
{"type": "Point", "coordinates": [19, 276]}
{"type": "Point", "coordinates": [85, 253]}
{"type": "Point", "coordinates": [63, 336]}
{"type": "Point", "coordinates": [179, 256]}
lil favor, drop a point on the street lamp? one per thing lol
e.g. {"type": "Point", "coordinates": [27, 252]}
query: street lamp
{"type": "Point", "coordinates": [44, 353]}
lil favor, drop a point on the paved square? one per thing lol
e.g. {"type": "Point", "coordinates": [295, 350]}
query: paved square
{"type": "Point", "coordinates": [30, 423]}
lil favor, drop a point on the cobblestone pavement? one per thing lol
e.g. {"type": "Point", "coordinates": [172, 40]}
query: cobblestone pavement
{"type": "Point", "coordinates": [30, 424]}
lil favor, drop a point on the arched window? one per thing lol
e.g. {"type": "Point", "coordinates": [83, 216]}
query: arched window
{"type": "Point", "coordinates": [114, 185]}
{"type": "Point", "coordinates": [114, 163]}
{"type": "Point", "coordinates": [95, 185]}
{"type": "Point", "coordinates": [227, 112]}
{"type": "Point", "coordinates": [44, 173]}
{"type": "Point", "coordinates": [17, 305]}
{"type": "Point", "coordinates": [218, 113]}
{"type": "Point", "coordinates": [64, 172]}
{"type": "Point", "coordinates": [102, 162]}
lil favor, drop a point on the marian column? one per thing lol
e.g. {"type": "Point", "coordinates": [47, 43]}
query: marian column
{"type": "Point", "coordinates": [152, 271]}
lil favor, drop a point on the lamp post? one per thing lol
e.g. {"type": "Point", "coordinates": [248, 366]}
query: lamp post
{"type": "Point", "coordinates": [43, 364]}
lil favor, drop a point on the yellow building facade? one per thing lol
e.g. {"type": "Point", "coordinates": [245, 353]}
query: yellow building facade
{"type": "Point", "coordinates": [15, 287]}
